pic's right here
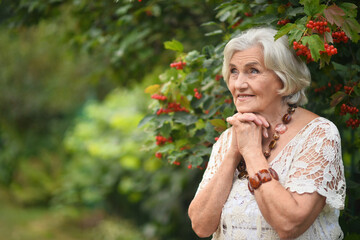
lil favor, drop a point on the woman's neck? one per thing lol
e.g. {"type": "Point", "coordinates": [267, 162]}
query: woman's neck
{"type": "Point", "coordinates": [275, 116]}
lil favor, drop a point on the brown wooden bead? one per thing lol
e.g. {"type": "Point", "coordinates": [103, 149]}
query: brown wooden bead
{"type": "Point", "coordinates": [276, 136]}
{"type": "Point", "coordinates": [243, 174]}
{"type": "Point", "coordinates": [286, 118]}
{"type": "Point", "coordinates": [264, 175]}
{"type": "Point", "coordinates": [291, 110]}
{"type": "Point", "coordinates": [255, 181]}
{"type": "Point", "coordinates": [274, 174]}
{"type": "Point", "coordinates": [267, 153]}
{"type": "Point", "coordinates": [250, 188]}
{"type": "Point", "coordinates": [272, 144]}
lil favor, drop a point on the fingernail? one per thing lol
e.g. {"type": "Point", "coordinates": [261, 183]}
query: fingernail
{"type": "Point", "coordinates": [266, 134]}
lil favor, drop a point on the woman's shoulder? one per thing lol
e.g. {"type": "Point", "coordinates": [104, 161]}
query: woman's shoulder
{"type": "Point", "coordinates": [322, 127]}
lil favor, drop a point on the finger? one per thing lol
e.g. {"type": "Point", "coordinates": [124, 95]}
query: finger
{"type": "Point", "coordinates": [232, 120]}
{"type": "Point", "coordinates": [250, 117]}
{"type": "Point", "coordinates": [265, 133]}
{"type": "Point", "coordinates": [264, 121]}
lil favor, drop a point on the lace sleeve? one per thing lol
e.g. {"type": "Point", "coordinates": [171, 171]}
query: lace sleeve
{"type": "Point", "coordinates": [318, 166]}
{"type": "Point", "coordinates": [217, 153]}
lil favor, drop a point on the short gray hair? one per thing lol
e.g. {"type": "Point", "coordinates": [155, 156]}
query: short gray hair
{"type": "Point", "coordinates": [278, 57]}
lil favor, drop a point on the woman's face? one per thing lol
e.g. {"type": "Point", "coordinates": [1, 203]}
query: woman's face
{"type": "Point", "coordinates": [254, 88]}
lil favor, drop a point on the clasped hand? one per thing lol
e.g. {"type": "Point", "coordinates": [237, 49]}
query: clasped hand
{"type": "Point", "coordinates": [247, 132]}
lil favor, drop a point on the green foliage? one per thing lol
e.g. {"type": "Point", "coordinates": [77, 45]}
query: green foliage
{"type": "Point", "coordinates": [129, 33]}
{"type": "Point", "coordinates": [109, 168]}
{"type": "Point", "coordinates": [38, 96]}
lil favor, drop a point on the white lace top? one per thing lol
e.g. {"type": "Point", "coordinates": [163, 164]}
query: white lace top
{"type": "Point", "coordinates": [310, 162]}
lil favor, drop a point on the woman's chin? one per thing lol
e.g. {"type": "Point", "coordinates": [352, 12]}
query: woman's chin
{"type": "Point", "coordinates": [244, 110]}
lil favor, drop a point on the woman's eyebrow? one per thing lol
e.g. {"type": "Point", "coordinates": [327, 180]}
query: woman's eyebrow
{"type": "Point", "coordinates": [249, 64]}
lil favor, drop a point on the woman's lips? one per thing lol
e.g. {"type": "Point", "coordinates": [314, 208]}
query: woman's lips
{"type": "Point", "coordinates": [244, 97]}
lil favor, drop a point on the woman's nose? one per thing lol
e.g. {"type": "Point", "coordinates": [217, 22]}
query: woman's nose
{"type": "Point", "coordinates": [241, 82]}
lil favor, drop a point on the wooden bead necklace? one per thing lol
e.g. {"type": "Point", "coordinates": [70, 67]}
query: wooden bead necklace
{"type": "Point", "coordinates": [279, 129]}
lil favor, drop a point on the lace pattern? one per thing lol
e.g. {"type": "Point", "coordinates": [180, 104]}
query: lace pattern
{"type": "Point", "coordinates": [310, 162]}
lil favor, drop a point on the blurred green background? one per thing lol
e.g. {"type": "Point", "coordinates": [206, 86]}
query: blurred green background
{"type": "Point", "coordinates": [73, 163]}
{"type": "Point", "coordinates": [72, 80]}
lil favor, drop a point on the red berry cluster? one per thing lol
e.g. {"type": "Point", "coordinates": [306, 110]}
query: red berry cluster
{"type": "Point", "coordinates": [302, 50]}
{"type": "Point", "coordinates": [159, 97]}
{"type": "Point", "coordinates": [161, 140]}
{"type": "Point", "coordinates": [340, 36]}
{"type": "Point", "coordinates": [344, 109]}
{"type": "Point", "coordinates": [197, 94]}
{"type": "Point", "coordinates": [338, 87]}
{"type": "Point", "coordinates": [172, 107]}
{"type": "Point", "coordinates": [320, 89]}
{"type": "Point", "coordinates": [218, 77]}
{"type": "Point", "coordinates": [228, 100]}
{"type": "Point", "coordinates": [177, 163]}
{"type": "Point", "coordinates": [158, 155]}
{"type": "Point", "coordinates": [178, 65]}
{"type": "Point", "coordinates": [248, 14]}
{"type": "Point", "coordinates": [319, 26]}
{"type": "Point", "coordinates": [353, 123]}
{"type": "Point", "coordinates": [283, 22]}
{"type": "Point", "coordinates": [329, 50]}
{"type": "Point", "coordinates": [348, 89]}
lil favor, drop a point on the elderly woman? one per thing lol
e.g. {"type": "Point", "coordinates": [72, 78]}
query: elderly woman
{"type": "Point", "coordinates": [278, 171]}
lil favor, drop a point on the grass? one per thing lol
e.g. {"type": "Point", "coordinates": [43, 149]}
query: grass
{"type": "Point", "coordinates": [39, 223]}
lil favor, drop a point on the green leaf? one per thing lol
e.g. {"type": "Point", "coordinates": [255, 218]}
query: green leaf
{"type": "Point", "coordinates": [352, 28]}
{"type": "Point", "coordinates": [193, 56]}
{"type": "Point", "coordinates": [284, 30]}
{"type": "Point", "coordinates": [224, 16]}
{"type": "Point", "coordinates": [165, 130]}
{"type": "Point", "coordinates": [146, 119]}
{"type": "Point", "coordinates": [161, 119]}
{"type": "Point", "coordinates": [195, 160]}
{"type": "Point", "coordinates": [211, 23]}
{"type": "Point", "coordinates": [269, 18]}
{"type": "Point", "coordinates": [312, 7]}
{"type": "Point", "coordinates": [185, 118]}
{"type": "Point", "coordinates": [337, 98]}
{"type": "Point", "coordinates": [291, 12]}
{"type": "Point", "coordinates": [166, 148]}
{"type": "Point", "coordinates": [202, 150]}
{"type": "Point", "coordinates": [349, 9]}
{"type": "Point", "coordinates": [295, 34]}
{"type": "Point", "coordinates": [219, 124]}
{"type": "Point", "coordinates": [228, 112]}
{"type": "Point", "coordinates": [174, 45]}
{"type": "Point", "coordinates": [334, 15]}
{"type": "Point", "coordinates": [216, 32]}
{"type": "Point", "coordinates": [200, 124]}
{"type": "Point", "coordinates": [209, 102]}
{"type": "Point", "coordinates": [315, 44]}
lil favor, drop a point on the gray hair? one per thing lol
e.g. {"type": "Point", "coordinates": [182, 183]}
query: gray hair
{"type": "Point", "coordinates": [278, 57]}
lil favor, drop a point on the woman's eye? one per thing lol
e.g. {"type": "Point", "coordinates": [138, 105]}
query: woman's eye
{"type": "Point", "coordinates": [254, 70]}
{"type": "Point", "coordinates": [233, 70]}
